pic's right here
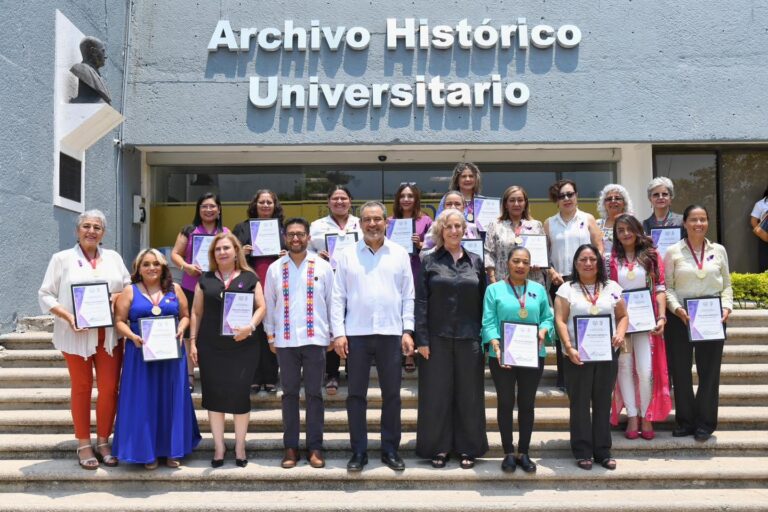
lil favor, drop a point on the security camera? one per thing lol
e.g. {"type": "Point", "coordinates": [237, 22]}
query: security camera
{"type": "Point", "coordinates": [382, 158]}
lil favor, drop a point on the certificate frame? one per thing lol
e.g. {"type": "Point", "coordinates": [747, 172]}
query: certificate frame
{"type": "Point", "coordinates": [632, 329]}
{"type": "Point", "coordinates": [505, 342]}
{"type": "Point", "coordinates": [694, 301]}
{"type": "Point", "coordinates": [411, 249]}
{"type": "Point", "coordinates": [257, 222]}
{"type": "Point", "coordinates": [475, 246]}
{"type": "Point", "coordinates": [656, 235]}
{"type": "Point", "coordinates": [77, 291]}
{"type": "Point", "coordinates": [224, 329]}
{"type": "Point", "coordinates": [590, 318]}
{"type": "Point", "coordinates": [145, 324]}
{"type": "Point", "coordinates": [534, 260]}
{"type": "Point", "coordinates": [196, 238]}
{"type": "Point", "coordinates": [477, 207]}
{"type": "Point", "coordinates": [328, 244]}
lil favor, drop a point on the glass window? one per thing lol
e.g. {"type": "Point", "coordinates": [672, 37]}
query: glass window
{"type": "Point", "coordinates": [744, 179]}
{"type": "Point", "coordinates": [694, 176]}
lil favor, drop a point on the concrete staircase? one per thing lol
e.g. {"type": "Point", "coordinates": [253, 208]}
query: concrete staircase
{"type": "Point", "coordinates": [38, 470]}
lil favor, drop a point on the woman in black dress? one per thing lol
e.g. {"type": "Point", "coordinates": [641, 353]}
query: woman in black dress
{"type": "Point", "coordinates": [227, 363]}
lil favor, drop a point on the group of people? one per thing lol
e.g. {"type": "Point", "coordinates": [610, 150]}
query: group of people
{"type": "Point", "coordinates": [441, 308]}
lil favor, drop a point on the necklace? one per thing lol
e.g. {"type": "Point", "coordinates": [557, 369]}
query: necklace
{"type": "Point", "coordinates": [700, 273]}
{"type": "Point", "coordinates": [593, 309]}
{"type": "Point", "coordinates": [155, 304]}
{"type": "Point", "coordinates": [631, 274]}
{"type": "Point", "coordinates": [522, 313]}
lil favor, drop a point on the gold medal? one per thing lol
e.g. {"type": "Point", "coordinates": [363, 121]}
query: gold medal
{"type": "Point", "coordinates": [523, 313]}
{"type": "Point", "coordinates": [593, 310]}
{"type": "Point", "coordinates": [470, 217]}
{"type": "Point", "coordinates": [156, 310]}
{"type": "Point", "coordinates": [701, 274]}
{"type": "Point", "coordinates": [631, 275]}
{"type": "Point", "coordinates": [519, 240]}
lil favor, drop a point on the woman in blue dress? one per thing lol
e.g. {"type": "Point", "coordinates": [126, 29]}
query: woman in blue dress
{"type": "Point", "coordinates": [155, 414]}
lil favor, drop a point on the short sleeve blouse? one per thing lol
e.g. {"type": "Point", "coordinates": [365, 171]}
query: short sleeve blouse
{"type": "Point", "coordinates": [609, 296]}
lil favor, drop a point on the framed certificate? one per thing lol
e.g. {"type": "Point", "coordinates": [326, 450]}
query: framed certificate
{"type": "Point", "coordinates": [537, 246]}
{"type": "Point", "coordinates": [200, 246]}
{"type": "Point", "coordinates": [474, 245]}
{"type": "Point", "coordinates": [160, 341]}
{"type": "Point", "coordinates": [265, 237]}
{"type": "Point", "coordinates": [520, 344]}
{"type": "Point", "coordinates": [487, 210]}
{"type": "Point", "coordinates": [92, 305]}
{"type": "Point", "coordinates": [335, 242]}
{"type": "Point", "coordinates": [237, 311]}
{"type": "Point", "coordinates": [664, 237]}
{"type": "Point", "coordinates": [401, 232]}
{"type": "Point", "coordinates": [705, 315]}
{"type": "Point", "coordinates": [593, 337]}
{"type": "Point", "coordinates": [639, 310]}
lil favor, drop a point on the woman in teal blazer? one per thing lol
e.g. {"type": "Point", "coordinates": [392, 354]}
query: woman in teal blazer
{"type": "Point", "coordinates": [516, 299]}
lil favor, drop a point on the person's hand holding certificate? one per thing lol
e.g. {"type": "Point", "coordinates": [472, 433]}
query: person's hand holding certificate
{"type": "Point", "coordinates": [593, 337]}
{"type": "Point", "coordinates": [160, 338]}
{"type": "Point", "coordinates": [705, 320]}
{"type": "Point", "coordinates": [639, 310]}
{"type": "Point", "coordinates": [401, 232]}
{"type": "Point", "coordinates": [486, 211]}
{"type": "Point", "coordinates": [520, 345]}
{"type": "Point", "coordinates": [265, 237]}
{"type": "Point", "coordinates": [237, 313]}
{"type": "Point", "coordinates": [92, 305]}
{"type": "Point", "coordinates": [200, 246]}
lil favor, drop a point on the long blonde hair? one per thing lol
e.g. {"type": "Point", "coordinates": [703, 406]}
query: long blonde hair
{"type": "Point", "coordinates": [240, 262]}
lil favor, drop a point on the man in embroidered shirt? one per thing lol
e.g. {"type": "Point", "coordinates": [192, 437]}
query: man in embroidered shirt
{"type": "Point", "coordinates": [372, 320]}
{"type": "Point", "coordinates": [298, 291]}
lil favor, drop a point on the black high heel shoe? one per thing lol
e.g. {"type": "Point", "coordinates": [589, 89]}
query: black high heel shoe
{"type": "Point", "coordinates": [241, 463]}
{"type": "Point", "coordinates": [217, 463]}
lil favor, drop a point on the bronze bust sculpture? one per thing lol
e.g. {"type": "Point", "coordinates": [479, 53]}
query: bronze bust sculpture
{"type": "Point", "coordinates": [91, 85]}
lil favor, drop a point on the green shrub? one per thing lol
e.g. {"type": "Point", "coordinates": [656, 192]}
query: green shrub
{"type": "Point", "coordinates": [750, 288]}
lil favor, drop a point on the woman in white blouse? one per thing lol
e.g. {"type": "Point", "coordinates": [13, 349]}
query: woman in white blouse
{"type": "Point", "coordinates": [87, 349]}
{"type": "Point", "coordinates": [695, 267]}
{"type": "Point", "coordinates": [590, 384]}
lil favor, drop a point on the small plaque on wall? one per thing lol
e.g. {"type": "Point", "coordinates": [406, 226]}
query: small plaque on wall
{"type": "Point", "coordinates": [70, 177]}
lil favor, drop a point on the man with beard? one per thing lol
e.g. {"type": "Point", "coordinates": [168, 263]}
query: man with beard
{"type": "Point", "coordinates": [298, 291]}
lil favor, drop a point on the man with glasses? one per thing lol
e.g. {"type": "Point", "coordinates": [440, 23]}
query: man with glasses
{"type": "Point", "coordinates": [372, 320]}
{"type": "Point", "coordinates": [297, 291]}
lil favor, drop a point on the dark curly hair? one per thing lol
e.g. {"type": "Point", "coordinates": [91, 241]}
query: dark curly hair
{"type": "Point", "coordinates": [645, 252]}
{"type": "Point", "coordinates": [253, 206]}
{"type": "Point", "coordinates": [602, 278]}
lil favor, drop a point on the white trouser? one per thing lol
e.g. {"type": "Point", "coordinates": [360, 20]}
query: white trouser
{"type": "Point", "coordinates": [638, 360]}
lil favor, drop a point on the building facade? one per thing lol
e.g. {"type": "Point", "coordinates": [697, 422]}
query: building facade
{"type": "Point", "coordinates": [235, 96]}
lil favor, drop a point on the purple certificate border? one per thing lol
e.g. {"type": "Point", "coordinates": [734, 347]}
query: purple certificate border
{"type": "Point", "coordinates": [78, 294]}
{"type": "Point", "coordinates": [145, 329]}
{"type": "Point", "coordinates": [692, 306]}
{"type": "Point", "coordinates": [508, 330]}
{"type": "Point", "coordinates": [580, 323]}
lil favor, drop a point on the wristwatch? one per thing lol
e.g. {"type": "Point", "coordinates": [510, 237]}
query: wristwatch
{"type": "Point", "coordinates": [408, 331]}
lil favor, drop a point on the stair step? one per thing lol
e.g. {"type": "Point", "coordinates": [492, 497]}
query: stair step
{"type": "Point", "coordinates": [730, 373]}
{"type": "Point", "coordinates": [483, 498]}
{"type": "Point", "coordinates": [27, 340]}
{"type": "Point", "coordinates": [544, 444]}
{"type": "Point", "coordinates": [546, 396]}
{"type": "Point", "coordinates": [265, 474]}
{"type": "Point", "coordinates": [58, 421]}
{"type": "Point", "coordinates": [748, 318]}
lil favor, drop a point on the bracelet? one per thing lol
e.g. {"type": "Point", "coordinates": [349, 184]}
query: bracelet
{"type": "Point", "coordinates": [662, 318]}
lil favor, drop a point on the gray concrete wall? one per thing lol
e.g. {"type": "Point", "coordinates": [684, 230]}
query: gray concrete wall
{"type": "Point", "coordinates": [644, 71]}
{"type": "Point", "coordinates": [33, 228]}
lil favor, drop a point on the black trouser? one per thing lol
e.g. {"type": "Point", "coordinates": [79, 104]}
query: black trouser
{"type": "Point", "coordinates": [762, 256]}
{"type": "Point", "coordinates": [699, 411]}
{"type": "Point", "coordinates": [561, 380]}
{"type": "Point", "coordinates": [452, 399]}
{"type": "Point", "coordinates": [527, 381]}
{"type": "Point", "coordinates": [309, 360]}
{"type": "Point", "coordinates": [591, 384]}
{"type": "Point", "coordinates": [385, 351]}
{"type": "Point", "coordinates": [266, 371]}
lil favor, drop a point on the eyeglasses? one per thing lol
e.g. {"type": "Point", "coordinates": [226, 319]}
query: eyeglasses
{"type": "Point", "coordinates": [614, 199]}
{"type": "Point", "coordinates": [566, 195]}
{"type": "Point", "coordinates": [208, 207]}
{"type": "Point", "coordinates": [91, 227]}
{"type": "Point", "coordinates": [587, 260]}
{"type": "Point", "coordinates": [291, 236]}
{"type": "Point", "coordinates": [657, 195]}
